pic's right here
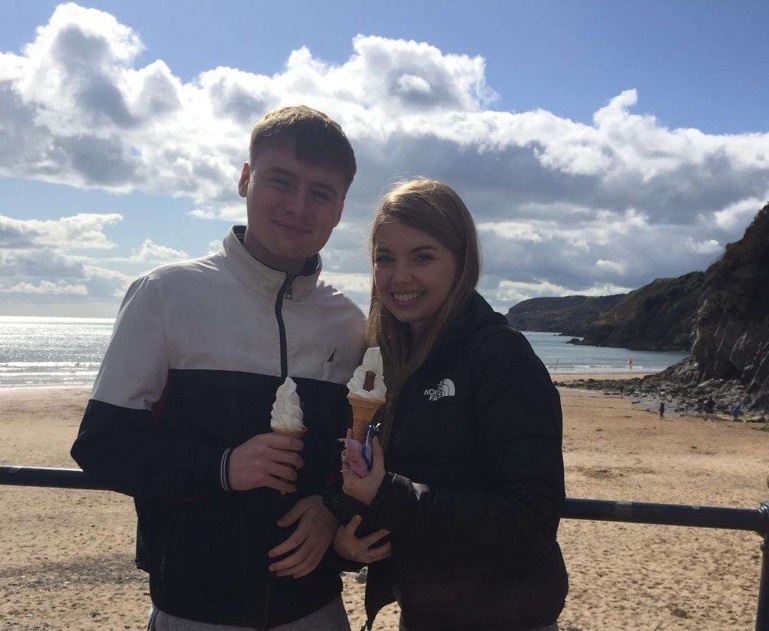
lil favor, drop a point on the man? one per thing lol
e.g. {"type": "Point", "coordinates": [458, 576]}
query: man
{"type": "Point", "coordinates": [231, 526]}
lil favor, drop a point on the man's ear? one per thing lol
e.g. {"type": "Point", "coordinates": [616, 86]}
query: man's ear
{"type": "Point", "coordinates": [245, 176]}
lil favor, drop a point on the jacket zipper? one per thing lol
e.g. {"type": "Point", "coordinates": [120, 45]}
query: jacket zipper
{"type": "Point", "coordinates": [285, 291]}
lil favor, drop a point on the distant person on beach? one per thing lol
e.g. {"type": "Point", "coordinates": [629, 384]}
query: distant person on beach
{"type": "Point", "coordinates": [662, 409]}
{"type": "Point", "coordinates": [231, 525]}
{"type": "Point", "coordinates": [710, 406]}
{"type": "Point", "coordinates": [736, 411]}
{"type": "Point", "coordinates": [469, 478]}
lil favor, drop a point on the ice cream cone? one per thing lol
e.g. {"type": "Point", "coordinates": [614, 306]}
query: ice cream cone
{"type": "Point", "coordinates": [363, 411]}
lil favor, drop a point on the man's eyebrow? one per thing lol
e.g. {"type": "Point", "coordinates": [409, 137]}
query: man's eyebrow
{"type": "Point", "coordinates": [278, 171]}
{"type": "Point", "coordinates": [291, 175]}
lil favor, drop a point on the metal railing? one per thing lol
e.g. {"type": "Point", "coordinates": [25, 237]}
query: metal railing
{"type": "Point", "coordinates": [595, 510]}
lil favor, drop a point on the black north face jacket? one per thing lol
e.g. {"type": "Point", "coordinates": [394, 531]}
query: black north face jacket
{"type": "Point", "coordinates": [474, 487]}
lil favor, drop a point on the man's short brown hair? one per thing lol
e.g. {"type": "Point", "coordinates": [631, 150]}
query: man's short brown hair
{"type": "Point", "coordinates": [316, 138]}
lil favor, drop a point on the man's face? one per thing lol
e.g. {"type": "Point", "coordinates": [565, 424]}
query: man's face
{"type": "Point", "coordinates": [293, 205]}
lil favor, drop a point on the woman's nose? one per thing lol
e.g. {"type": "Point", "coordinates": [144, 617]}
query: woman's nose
{"type": "Point", "coordinates": [402, 274]}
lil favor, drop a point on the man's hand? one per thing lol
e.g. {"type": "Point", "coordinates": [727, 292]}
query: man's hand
{"type": "Point", "coordinates": [361, 549]}
{"type": "Point", "coordinates": [268, 460]}
{"type": "Point", "coordinates": [308, 542]}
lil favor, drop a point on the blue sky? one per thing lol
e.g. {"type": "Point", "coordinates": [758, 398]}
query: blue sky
{"type": "Point", "coordinates": [600, 145]}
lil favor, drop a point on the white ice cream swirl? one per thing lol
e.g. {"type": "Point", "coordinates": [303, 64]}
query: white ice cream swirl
{"type": "Point", "coordinates": [287, 411]}
{"type": "Point", "coordinates": [372, 361]}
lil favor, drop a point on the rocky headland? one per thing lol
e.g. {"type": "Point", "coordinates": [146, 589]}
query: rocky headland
{"type": "Point", "coordinates": [657, 317]}
{"type": "Point", "coordinates": [728, 332]}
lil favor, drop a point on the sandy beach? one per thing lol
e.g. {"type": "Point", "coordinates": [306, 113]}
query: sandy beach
{"type": "Point", "coordinates": [68, 555]}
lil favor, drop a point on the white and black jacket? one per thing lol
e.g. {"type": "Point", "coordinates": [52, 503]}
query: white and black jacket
{"type": "Point", "coordinates": [198, 350]}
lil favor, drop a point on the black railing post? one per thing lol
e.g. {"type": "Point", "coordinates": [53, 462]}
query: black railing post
{"type": "Point", "coordinates": [762, 614]}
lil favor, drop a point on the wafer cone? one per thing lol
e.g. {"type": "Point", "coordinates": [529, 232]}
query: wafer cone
{"type": "Point", "coordinates": [363, 411]}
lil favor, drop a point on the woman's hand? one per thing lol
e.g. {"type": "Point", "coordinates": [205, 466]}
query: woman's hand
{"type": "Point", "coordinates": [365, 488]}
{"type": "Point", "coordinates": [361, 549]}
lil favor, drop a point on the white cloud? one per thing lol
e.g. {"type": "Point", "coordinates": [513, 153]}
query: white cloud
{"type": "Point", "coordinates": [561, 206]}
{"type": "Point", "coordinates": [736, 217]}
{"type": "Point", "coordinates": [46, 287]}
{"type": "Point", "coordinates": [612, 267]}
{"type": "Point", "coordinates": [507, 293]}
{"type": "Point", "coordinates": [233, 213]}
{"type": "Point", "coordinates": [514, 231]}
{"type": "Point", "coordinates": [709, 247]}
{"type": "Point", "coordinates": [149, 251]}
{"type": "Point", "coordinates": [81, 231]}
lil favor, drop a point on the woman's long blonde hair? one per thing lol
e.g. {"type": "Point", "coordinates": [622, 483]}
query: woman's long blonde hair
{"type": "Point", "coordinates": [434, 208]}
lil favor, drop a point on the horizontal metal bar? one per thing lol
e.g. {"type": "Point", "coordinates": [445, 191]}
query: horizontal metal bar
{"type": "Point", "coordinates": [668, 514]}
{"type": "Point", "coordinates": [574, 508]}
{"type": "Point", "coordinates": [45, 476]}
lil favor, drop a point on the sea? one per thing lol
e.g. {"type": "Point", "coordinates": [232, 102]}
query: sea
{"type": "Point", "coordinates": [66, 352]}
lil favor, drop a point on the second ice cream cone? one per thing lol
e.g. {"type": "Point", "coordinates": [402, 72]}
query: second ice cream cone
{"type": "Point", "coordinates": [363, 411]}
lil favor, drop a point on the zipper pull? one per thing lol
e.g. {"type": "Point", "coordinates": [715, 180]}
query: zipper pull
{"type": "Point", "coordinates": [289, 289]}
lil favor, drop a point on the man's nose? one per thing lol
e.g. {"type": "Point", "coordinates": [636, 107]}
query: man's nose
{"type": "Point", "coordinates": [299, 201]}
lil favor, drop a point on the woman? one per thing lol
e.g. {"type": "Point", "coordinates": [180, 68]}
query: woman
{"type": "Point", "coordinates": [470, 483]}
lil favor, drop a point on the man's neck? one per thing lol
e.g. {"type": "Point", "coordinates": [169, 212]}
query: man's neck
{"type": "Point", "coordinates": [291, 267]}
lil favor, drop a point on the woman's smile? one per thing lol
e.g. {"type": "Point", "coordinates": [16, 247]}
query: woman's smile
{"type": "Point", "coordinates": [404, 299]}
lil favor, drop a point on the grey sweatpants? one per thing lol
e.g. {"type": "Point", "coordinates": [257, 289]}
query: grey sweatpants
{"type": "Point", "coordinates": [332, 617]}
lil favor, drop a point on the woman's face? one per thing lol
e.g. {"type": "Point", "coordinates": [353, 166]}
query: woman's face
{"type": "Point", "coordinates": [413, 274]}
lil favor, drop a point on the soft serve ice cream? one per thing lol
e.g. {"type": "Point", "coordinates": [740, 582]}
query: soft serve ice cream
{"type": "Point", "coordinates": [287, 416]}
{"type": "Point", "coordinates": [367, 391]}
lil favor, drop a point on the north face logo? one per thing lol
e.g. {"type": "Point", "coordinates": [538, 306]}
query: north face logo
{"type": "Point", "coordinates": [444, 389]}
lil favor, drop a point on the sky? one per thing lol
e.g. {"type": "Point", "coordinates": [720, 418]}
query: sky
{"type": "Point", "coordinates": [599, 144]}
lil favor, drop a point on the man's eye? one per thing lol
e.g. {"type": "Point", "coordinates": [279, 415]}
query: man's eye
{"type": "Point", "coordinates": [322, 195]}
{"type": "Point", "coordinates": [280, 182]}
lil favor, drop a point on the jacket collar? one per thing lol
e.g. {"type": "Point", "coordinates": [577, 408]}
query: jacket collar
{"type": "Point", "coordinates": [259, 277]}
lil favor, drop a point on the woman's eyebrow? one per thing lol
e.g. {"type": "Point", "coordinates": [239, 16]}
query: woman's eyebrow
{"type": "Point", "coordinates": [413, 250]}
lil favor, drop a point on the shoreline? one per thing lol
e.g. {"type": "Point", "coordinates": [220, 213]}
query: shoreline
{"type": "Point", "coordinates": [555, 376]}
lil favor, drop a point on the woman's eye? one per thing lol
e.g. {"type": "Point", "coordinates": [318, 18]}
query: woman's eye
{"type": "Point", "coordinates": [382, 259]}
{"type": "Point", "coordinates": [423, 258]}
